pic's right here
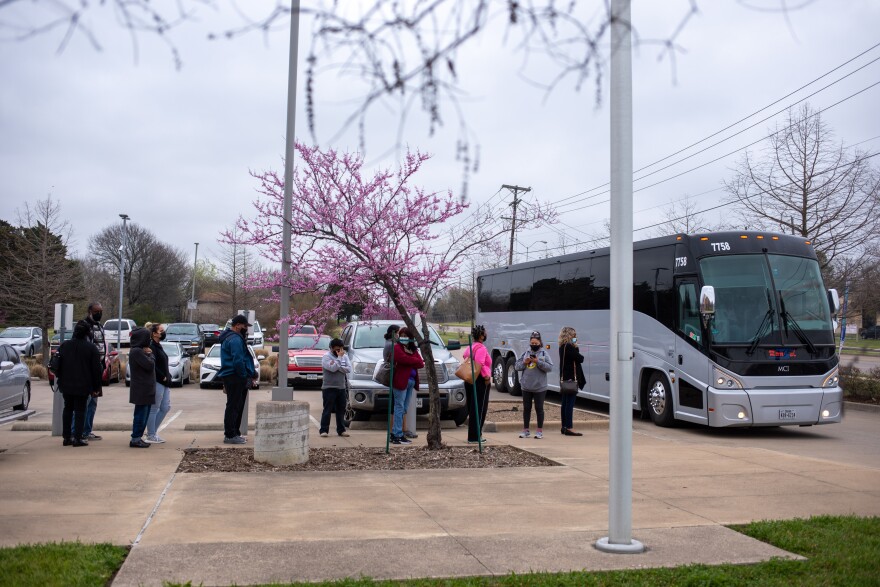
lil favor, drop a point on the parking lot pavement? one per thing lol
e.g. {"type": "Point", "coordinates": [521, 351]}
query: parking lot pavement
{"type": "Point", "coordinates": [246, 528]}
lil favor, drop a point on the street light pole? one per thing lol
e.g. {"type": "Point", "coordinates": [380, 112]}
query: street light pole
{"type": "Point", "coordinates": [532, 245]}
{"type": "Point", "coordinates": [192, 298]}
{"type": "Point", "coordinates": [121, 280]}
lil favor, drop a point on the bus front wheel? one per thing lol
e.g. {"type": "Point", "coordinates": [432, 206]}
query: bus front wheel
{"type": "Point", "coordinates": [498, 374]}
{"type": "Point", "coordinates": [511, 380]}
{"type": "Point", "coordinates": [660, 401]}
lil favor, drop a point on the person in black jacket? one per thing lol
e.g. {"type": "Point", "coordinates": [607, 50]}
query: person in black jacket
{"type": "Point", "coordinates": [79, 377]}
{"type": "Point", "coordinates": [97, 336]}
{"type": "Point", "coordinates": [162, 405]}
{"type": "Point", "coordinates": [142, 392]}
{"type": "Point", "coordinates": [570, 361]}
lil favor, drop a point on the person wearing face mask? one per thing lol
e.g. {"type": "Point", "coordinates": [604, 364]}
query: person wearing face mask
{"type": "Point", "coordinates": [162, 405]}
{"type": "Point", "coordinates": [533, 366]}
{"type": "Point", "coordinates": [142, 392]}
{"type": "Point", "coordinates": [477, 393]}
{"type": "Point", "coordinates": [95, 336]}
{"type": "Point", "coordinates": [407, 363]}
{"type": "Point", "coordinates": [570, 361]}
{"type": "Point", "coordinates": [237, 372]}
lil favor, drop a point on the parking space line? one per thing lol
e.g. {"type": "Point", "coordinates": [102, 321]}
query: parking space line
{"type": "Point", "coordinates": [169, 421]}
{"type": "Point", "coordinates": [315, 421]}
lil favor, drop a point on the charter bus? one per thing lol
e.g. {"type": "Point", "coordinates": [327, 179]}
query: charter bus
{"type": "Point", "coordinates": [729, 328]}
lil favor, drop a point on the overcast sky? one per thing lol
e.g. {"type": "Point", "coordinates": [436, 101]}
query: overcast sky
{"type": "Point", "coordinates": [107, 133]}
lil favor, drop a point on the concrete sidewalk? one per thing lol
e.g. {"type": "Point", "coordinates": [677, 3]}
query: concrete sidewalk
{"type": "Point", "coordinates": [245, 528]}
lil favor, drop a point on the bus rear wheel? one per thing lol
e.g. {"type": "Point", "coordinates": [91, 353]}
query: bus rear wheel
{"type": "Point", "coordinates": [659, 398]}
{"type": "Point", "coordinates": [511, 380]}
{"type": "Point", "coordinates": [498, 374]}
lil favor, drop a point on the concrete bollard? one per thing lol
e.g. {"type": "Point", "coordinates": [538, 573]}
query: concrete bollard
{"type": "Point", "coordinates": [282, 433]}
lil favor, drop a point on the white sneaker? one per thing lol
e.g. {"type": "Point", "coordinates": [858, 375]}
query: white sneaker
{"type": "Point", "coordinates": [149, 439]}
{"type": "Point", "coordinates": [324, 435]}
{"type": "Point", "coordinates": [524, 434]}
{"type": "Point", "coordinates": [158, 439]}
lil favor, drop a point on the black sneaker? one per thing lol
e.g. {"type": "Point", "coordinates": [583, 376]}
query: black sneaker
{"type": "Point", "coordinates": [395, 440]}
{"type": "Point", "coordinates": [138, 444]}
{"type": "Point", "coordinates": [404, 440]}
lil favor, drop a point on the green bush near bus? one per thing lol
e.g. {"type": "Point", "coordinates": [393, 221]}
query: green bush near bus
{"type": "Point", "coordinates": [861, 386]}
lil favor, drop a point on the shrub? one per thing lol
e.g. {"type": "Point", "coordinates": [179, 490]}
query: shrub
{"type": "Point", "coordinates": [267, 373]}
{"type": "Point", "coordinates": [860, 386]}
{"type": "Point", "coordinates": [272, 360]}
{"type": "Point", "coordinates": [37, 370]}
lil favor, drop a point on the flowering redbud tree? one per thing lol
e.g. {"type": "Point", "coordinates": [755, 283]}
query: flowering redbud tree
{"type": "Point", "coordinates": [371, 240]}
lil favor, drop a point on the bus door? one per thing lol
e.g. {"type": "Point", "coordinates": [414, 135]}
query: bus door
{"type": "Point", "coordinates": [690, 363]}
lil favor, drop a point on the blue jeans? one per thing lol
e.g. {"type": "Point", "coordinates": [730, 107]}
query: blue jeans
{"type": "Point", "coordinates": [159, 409]}
{"type": "Point", "coordinates": [401, 401]}
{"type": "Point", "coordinates": [91, 406]}
{"type": "Point", "coordinates": [568, 410]}
{"type": "Point", "coordinates": [139, 421]}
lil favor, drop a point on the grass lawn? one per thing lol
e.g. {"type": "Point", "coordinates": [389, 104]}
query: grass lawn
{"type": "Point", "coordinates": [840, 551]}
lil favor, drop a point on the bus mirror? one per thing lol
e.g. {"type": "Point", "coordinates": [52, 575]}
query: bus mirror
{"type": "Point", "coordinates": [833, 301]}
{"type": "Point", "coordinates": [707, 301]}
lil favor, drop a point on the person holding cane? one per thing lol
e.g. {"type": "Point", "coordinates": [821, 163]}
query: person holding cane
{"type": "Point", "coordinates": [477, 393]}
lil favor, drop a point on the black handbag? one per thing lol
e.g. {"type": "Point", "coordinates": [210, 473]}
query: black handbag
{"type": "Point", "coordinates": [382, 374]}
{"type": "Point", "coordinates": [566, 386]}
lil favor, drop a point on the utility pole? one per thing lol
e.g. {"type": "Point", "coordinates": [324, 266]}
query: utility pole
{"type": "Point", "coordinates": [516, 190]}
{"type": "Point", "coordinates": [192, 298]}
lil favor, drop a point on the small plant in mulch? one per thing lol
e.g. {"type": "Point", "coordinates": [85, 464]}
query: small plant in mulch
{"type": "Point", "coordinates": [363, 458]}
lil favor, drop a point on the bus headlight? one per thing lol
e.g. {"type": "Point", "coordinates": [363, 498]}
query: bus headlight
{"type": "Point", "coordinates": [832, 380]}
{"type": "Point", "coordinates": [723, 379]}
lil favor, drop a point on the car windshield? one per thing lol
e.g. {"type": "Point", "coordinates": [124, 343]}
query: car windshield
{"type": "Point", "coordinates": [16, 333]}
{"type": "Point", "coordinates": [372, 336]}
{"type": "Point", "coordinates": [765, 298]}
{"type": "Point", "coordinates": [185, 329]}
{"type": "Point", "coordinates": [172, 349]}
{"type": "Point", "coordinates": [307, 330]}
{"type": "Point", "coordinates": [114, 325]}
{"type": "Point", "coordinates": [215, 352]}
{"type": "Point", "coordinates": [67, 336]}
{"type": "Point", "coordinates": [309, 342]}
{"type": "Point", "coordinates": [209, 327]}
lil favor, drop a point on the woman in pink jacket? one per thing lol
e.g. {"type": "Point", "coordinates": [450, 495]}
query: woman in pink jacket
{"type": "Point", "coordinates": [478, 404]}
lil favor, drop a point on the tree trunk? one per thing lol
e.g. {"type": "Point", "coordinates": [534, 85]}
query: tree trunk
{"type": "Point", "coordinates": [435, 439]}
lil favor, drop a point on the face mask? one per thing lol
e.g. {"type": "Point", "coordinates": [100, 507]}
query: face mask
{"type": "Point", "coordinates": [162, 336]}
{"type": "Point", "coordinates": [535, 347]}
{"type": "Point", "coordinates": [97, 316]}
{"type": "Point", "coordinates": [403, 340]}
{"type": "Point", "coordinates": [574, 339]}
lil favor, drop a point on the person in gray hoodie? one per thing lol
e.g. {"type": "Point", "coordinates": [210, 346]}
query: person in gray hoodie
{"type": "Point", "coordinates": [533, 366]}
{"type": "Point", "coordinates": [335, 367]}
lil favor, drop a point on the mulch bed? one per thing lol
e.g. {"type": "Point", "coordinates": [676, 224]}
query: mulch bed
{"type": "Point", "coordinates": [361, 458]}
{"type": "Point", "coordinates": [511, 411]}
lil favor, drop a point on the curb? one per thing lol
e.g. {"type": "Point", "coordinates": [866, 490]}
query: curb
{"type": "Point", "coordinates": [860, 407]}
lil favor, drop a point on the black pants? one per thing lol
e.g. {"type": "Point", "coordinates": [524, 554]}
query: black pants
{"type": "Point", "coordinates": [334, 403]}
{"type": "Point", "coordinates": [538, 396]}
{"type": "Point", "coordinates": [477, 407]}
{"type": "Point", "coordinates": [75, 411]}
{"type": "Point", "coordinates": [236, 395]}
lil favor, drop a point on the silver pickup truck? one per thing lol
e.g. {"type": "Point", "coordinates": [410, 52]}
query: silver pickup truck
{"type": "Point", "coordinates": [364, 343]}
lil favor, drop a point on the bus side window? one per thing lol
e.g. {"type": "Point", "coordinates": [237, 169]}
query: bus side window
{"type": "Point", "coordinates": [688, 312]}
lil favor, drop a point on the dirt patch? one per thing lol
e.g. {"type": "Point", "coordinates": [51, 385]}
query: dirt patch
{"type": "Point", "coordinates": [511, 411]}
{"type": "Point", "coordinates": [361, 458]}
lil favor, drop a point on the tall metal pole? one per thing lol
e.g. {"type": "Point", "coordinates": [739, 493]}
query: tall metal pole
{"type": "Point", "coordinates": [192, 298]}
{"type": "Point", "coordinates": [619, 537]}
{"type": "Point", "coordinates": [282, 392]}
{"type": "Point", "coordinates": [121, 281]}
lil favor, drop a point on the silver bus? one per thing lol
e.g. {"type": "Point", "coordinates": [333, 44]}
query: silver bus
{"type": "Point", "coordinates": [729, 328]}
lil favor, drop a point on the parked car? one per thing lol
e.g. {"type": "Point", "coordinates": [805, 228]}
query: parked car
{"type": "Point", "coordinates": [15, 379]}
{"type": "Point", "coordinates": [179, 365]}
{"type": "Point", "coordinates": [305, 329]}
{"type": "Point", "coordinates": [119, 332]}
{"type": "Point", "coordinates": [870, 332]}
{"type": "Point", "coordinates": [188, 335]}
{"type": "Point", "coordinates": [305, 352]}
{"type": "Point", "coordinates": [211, 365]}
{"type": "Point", "coordinates": [27, 340]}
{"type": "Point", "coordinates": [255, 335]}
{"type": "Point", "coordinates": [210, 334]}
{"type": "Point", "coordinates": [364, 343]}
{"type": "Point", "coordinates": [56, 341]}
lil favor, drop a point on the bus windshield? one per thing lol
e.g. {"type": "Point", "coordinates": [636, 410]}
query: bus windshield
{"type": "Point", "coordinates": [766, 298]}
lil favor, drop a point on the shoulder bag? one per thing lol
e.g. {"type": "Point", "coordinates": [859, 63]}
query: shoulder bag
{"type": "Point", "coordinates": [466, 370]}
{"type": "Point", "coordinates": [382, 374]}
{"type": "Point", "coordinates": [566, 386]}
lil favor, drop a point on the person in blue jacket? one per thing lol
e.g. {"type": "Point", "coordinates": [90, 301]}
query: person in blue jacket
{"type": "Point", "coordinates": [237, 372]}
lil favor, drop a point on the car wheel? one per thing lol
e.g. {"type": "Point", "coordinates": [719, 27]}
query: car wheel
{"type": "Point", "coordinates": [460, 416]}
{"type": "Point", "coordinates": [511, 377]}
{"type": "Point", "coordinates": [25, 397]}
{"type": "Point", "coordinates": [660, 401]}
{"type": "Point", "coordinates": [30, 352]}
{"type": "Point", "coordinates": [498, 374]}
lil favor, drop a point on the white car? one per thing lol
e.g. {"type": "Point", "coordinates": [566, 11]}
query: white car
{"type": "Point", "coordinates": [27, 340]}
{"type": "Point", "coordinates": [179, 365]}
{"type": "Point", "coordinates": [211, 365]}
{"type": "Point", "coordinates": [114, 333]}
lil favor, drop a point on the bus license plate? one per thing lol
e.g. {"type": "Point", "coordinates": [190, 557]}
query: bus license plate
{"type": "Point", "coordinates": [418, 403]}
{"type": "Point", "coordinates": [311, 376]}
{"type": "Point", "coordinates": [787, 415]}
